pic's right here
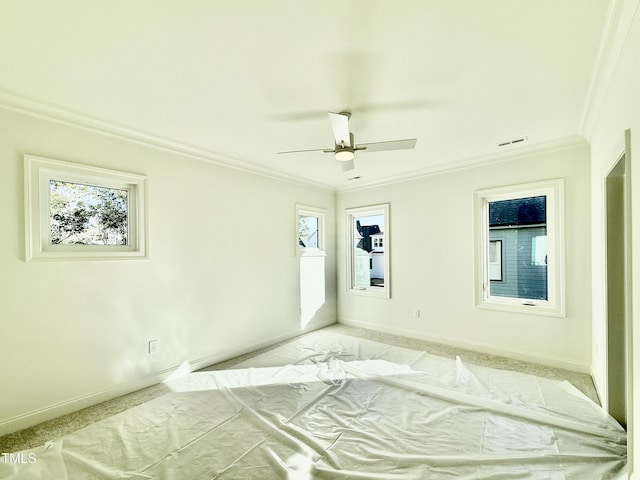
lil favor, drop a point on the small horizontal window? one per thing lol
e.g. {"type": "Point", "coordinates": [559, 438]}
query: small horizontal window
{"type": "Point", "coordinates": [88, 214]}
{"type": "Point", "coordinates": [79, 212]}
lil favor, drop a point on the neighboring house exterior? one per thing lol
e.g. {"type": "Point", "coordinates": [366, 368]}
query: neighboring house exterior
{"type": "Point", "coordinates": [518, 248]}
{"type": "Point", "coordinates": [369, 255]}
{"type": "Point", "coordinates": [377, 257]}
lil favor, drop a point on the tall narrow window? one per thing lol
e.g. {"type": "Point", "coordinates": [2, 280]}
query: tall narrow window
{"type": "Point", "coordinates": [80, 212]}
{"type": "Point", "coordinates": [519, 248]}
{"type": "Point", "coordinates": [368, 251]}
{"type": "Point", "coordinates": [519, 223]}
{"type": "Point", "coordinates": [310, 228]}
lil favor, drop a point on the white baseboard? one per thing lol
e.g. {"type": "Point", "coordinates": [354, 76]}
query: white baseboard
{"type": "Point", "coordinates": [547, 360]}
{"type": "Point", "coordinates": [34, 417]}
{"type": "Point", "coordinates": [49, 412]}
{"type": "Point", "coordinates": [228, 354]}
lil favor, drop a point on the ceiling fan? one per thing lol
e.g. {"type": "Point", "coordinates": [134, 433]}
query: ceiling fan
{"type": "Point", "coordinates": [345, 148]}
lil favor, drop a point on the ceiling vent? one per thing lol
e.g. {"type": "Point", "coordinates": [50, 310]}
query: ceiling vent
{"type": "Point", "coordinates": [515, 141]}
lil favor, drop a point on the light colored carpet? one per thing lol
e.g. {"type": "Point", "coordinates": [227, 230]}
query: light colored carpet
{"type": "Point", "coordinates": [56, 428]}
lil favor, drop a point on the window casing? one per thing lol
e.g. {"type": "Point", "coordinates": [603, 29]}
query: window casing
{"type": "Point", "coordinates": [368, 240]}
{"type": "Point", "coordinates": [519, 248]}
{"type": "Point", "coordinates": [77, 212]}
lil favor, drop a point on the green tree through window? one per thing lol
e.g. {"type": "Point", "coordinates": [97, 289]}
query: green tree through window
{"type": "Point", "coordinates": [87, 214]}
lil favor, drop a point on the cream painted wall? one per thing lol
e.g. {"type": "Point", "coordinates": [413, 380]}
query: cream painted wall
{"type": "Point", "coordinates": [618, 111]}
{"type": "Point", "coordinates": [432, 263]}
{"type": "Point", "coordinates": [222, 276]}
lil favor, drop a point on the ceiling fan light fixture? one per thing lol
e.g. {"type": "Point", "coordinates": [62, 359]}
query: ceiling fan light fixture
{"type": "Point", "coordinates": [344, 146]}
{"type": "Point", "coordinates": [344, 154]}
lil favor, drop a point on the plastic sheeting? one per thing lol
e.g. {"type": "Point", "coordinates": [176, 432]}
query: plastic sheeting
{"type": "Point", "coordinates": [338, 407]}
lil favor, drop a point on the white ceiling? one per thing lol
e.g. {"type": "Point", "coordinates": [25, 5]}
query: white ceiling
{"type": "Point", "coordinates": [241, 80]}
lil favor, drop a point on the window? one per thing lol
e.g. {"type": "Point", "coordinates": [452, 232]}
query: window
{"type": "Point", "coordinates": [539, 250]}
{"type": "Point", "coordinates": [80, 212]}
{"type": "Point", "coordinates": [495, 260]}
{"type": "Point", "coordinates": [87, 214]}
{"type": "Point", "coordinates": [309, 228]}
{"type": "Point", "coordinates": [519, 248]}
{"type": "Point", "coordinates": [377, 242]}
{"type": "Point", "coordinates": [367, 260]}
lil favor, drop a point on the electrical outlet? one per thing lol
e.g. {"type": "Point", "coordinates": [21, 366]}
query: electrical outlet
{"type": "Point", "coordinates": [153, 346]}
{"type": "Point", "coordinates": [416, 313]}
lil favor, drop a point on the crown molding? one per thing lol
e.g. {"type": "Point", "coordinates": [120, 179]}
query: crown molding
{"type": "Point", "coordinates": [564, 143]}
{"type": "Point", "coordinates": [37, 108]}
{"type": "Point", "coordinates": [622, 20]}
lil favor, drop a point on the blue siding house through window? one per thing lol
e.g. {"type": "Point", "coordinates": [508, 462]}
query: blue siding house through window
{"type": "Point", "coordinates": [521, 225]}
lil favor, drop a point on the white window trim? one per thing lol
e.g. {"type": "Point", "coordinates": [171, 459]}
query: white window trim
{"type": "Point", "coordinates": [350, 214]}
{"type": "Point", "coordinates": [554, 191]}
{"type": "Point", "coordinates": [37, 175]}
{"type": "Point", "coordinates": [320, 214]}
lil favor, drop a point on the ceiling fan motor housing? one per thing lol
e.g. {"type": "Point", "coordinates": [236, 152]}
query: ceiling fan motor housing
{"type": "Point", "coordinates": [343, 152]}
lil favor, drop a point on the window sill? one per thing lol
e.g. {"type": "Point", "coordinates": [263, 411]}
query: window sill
{"type": "Point", "coordinates": [78, 254]}
{"type": "Point", "coordinates": [375, 292]}
{"type": "Point", "coordinates": [526, 306]}
{"type": "Point", "coordinates": [311, 252]}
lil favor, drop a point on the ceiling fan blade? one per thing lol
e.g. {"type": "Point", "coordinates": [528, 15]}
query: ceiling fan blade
{"type": "Point", "coordinates": [389, 145]}
{"type": "Point", "coordinates": [325, 150]}
{"type": "Point", "coordinates": [347, 165]}
{"type": "Point", "coordinates": [340, 127]}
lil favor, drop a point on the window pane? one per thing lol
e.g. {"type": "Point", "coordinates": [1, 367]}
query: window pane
{"type": "Point", "coordinates": [521, 227]}
{"type": "Point", "coordinates": [87, 214]}
{"type": "Point", "coordinates": [308, 230]}
{"type": "Point", "coordinates": [368, 255]}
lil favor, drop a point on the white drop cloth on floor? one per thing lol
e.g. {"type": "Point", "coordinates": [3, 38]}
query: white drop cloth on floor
{"type": "Point", "coordinates": [339, 407]}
